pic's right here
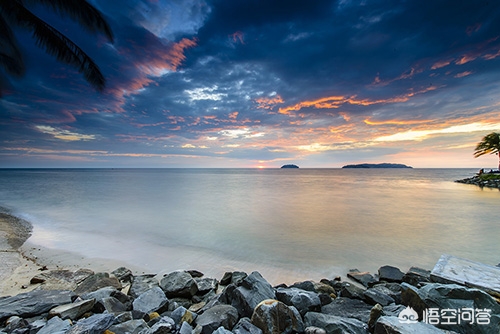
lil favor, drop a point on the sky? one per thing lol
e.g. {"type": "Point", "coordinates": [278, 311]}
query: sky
{"type": "Point", "coordinates": [262, 83]}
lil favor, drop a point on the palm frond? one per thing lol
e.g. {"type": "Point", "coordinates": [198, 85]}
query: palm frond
{"type": "Point", "coordinates": [58, 45]}
{"type": "Point", "coordinates": [81, 11]}
{"type": "Point", "coordinates": [490, 144]}
{"type": "Point", "coordinates": [10, 55]}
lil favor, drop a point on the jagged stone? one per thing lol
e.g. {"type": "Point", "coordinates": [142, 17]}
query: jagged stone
{"type": "Point", "coordinates": [335, 324]}
{"type": "Point", "coordinates": [375, 313]}
{"type": "Point", "coordinates": [179, 284]}
{"type": "Point", "coordinates": [181, 314]}
{"type": "Point", "coordinates": [72, 311]}
{"type": "Point", "coordinates": [123, 274]}
{"type": "Point", "coordinates": [206, 285]}
{"type": "Point", "coordinates": [222, 330]}
{"type": "Point", "coordinates": [95, 324]}
{"type": "Point", "coordinates": [129, 327]}
{"type": "Point", "coordinates": [194, 273]}
{"type": "Point", "coordinates": [33, 303]}
{"type": "Point", "coordinates": [392, 325]}
{"type": "Point", "coordinates": [96, 282]}
{"type": "Point", "coordinates": [186, 328]}
{"type": "Point", "coordinates": [112, 305]}
{"type": "Point", "coordinates": [352, 291]}
{"type": "Point", "coordinates": [61, 279]}
{"type": "Point", "coordinates": [305, 285]}
{"type": "Point", "coordinates": [304, 301]}
{"type": "Point", "coordinates": [16, 324]}
{"type": "Point", "coordinates": [245, 326]}
{"type": "Point", "coordinates": [376, 296]}
{"type": "Point", "coordinates": [275, 317]}
{"type": "Point", "coordinates": [349, 308]}
{"type": "Point", "coordinates": [390, 274]}
{"type": "Point", "coordinates": [364, 278]}
{"type": "Point", "coordinates": [55, 326]}
{"type": "Point", "coordinates": [164, 326]}
{"type": "Point", "coordinates": [142, 283]}
{"type": "Point", "coordinates": [314, 330]}
{"type": "Point", "coordinates": [416, 276]}
{"type": "Point", "coordinates": [219, 315]}
{"type": "Point", "coordinates": [152, 300]}
{"type": "Point", "coordinates": [252, 291]}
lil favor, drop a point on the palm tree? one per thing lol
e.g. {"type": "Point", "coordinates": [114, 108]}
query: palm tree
{"type": "Point", "coordinates": [15, 13]}
{"type": "Point", "coordinates": [490, 144]}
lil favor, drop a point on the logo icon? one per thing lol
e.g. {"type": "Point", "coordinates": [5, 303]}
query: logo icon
{"type": "Point", "coordinates": [408, 316]}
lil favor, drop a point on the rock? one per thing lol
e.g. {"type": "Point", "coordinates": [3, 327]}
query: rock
{"type": "Point", "coordinates": [206, 285]}
{"type": "Point", "coordinates": [305, 285]}
{"type": "Point", "coordinates": [95, 324]}
{"type": "Point", "coordinates": [61, 279]}
{"type": "Point", "coordinates": [33, 303]}
{"type": "Point", "coordinates": [410, 297]}
{"type": "Point", "coordinates": [179, 284]}
{"type": "Point", "coordinates": [153, 300]}
{"type": "Point", "coordinates": [457, 297]}
{"type": "Point", "coordinates": [186, 328]}
{"type": "Point", "coordinates": [222, 330]}
{"type": "Point", "coordinates": [245, 326]}
{"type": "Point", "coordinates": [375, 313]}
{"type": "Point", "coordinates": [72, 311]}
{"type": "Point", "coordinates": [143, 283]}
{"type": "Point", "coordinates": [390, 274]}
{"type": "Point", "coordinates": [364, 278]}
{"type": "Point", "coordinates": [100, 294]}
{"type": "Point", "coordinates": [451, 269]}
{"type": "Point", "coordinates": [393, 310]}
{"type": "Point", "coordinates": [96, 282]}
{"type": "Point", "coordinates": [235, 277]}
{"type": "Point", "coordinates": [55, 326]}
{"type": "Point", "coordinates": [217, 316]}
{"type": "Point", "coordinates": [181, 314]}
{"type": "Point", "coordinates": [304, 301]}
{"type": "Point", "coordinates": [415, 276]}
{"type": "Point", "coordinates": [349, 308]}
{"type": "Point", "coordinates": [129, 327]}
{"type": "Point", "coordinates": [392, 325]}
{"type": "Point", "coordinates": [16, 324]}
{"type": "Point", "coordinates": [195, 273]}
{"type": "Point", "coordinates": [352, 291]}
{"type": "Point", "coordinates": [164, 326]}
{"type": "Point", "coordinates": [123, 274]}
{"type": "Point", "coordinates": [314, 330]}
{"type": "Point", "coordinates": [274, 317]}
{"type": "Point", "coordinates": [378, 296]}
{"type": "Point", "coordinates": [335, 324]}
{"type": "Point", "coordinates": [252, 291]}
{"type": "Point", "coordinates": [392, 290]}
{"type": "Point", "coordinates": [112, 305]}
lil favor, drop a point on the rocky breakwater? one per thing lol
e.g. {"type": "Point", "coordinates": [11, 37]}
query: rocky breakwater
{"type": "Point", "coordinates": [186, 302]}
{"type": "Point", "coordinates": [484, 180]}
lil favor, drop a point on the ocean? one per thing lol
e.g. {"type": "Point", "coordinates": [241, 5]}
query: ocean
{"type": "Point", "coordinates": [289, 224]}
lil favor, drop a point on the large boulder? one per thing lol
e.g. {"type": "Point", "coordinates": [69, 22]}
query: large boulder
{"type": "Point", "coordinates": [364, 278]}
{"type": "Point", "coordinates": [142, 283]}
{"type": "Point", "coordinates": [335, 324]}
{"type": "Point", "coordinates": [245, 326]}
{"type": "Point", "coordinates": [304, 301]}
{"type": "Point", "coordinates": [179, 284]}
{"type": "Point", "coordinates": [217, 316]}
{"type": "Point", "coordinates": [33, 303]}
{"type": "Point", "coordinates": [390, 274]}
{"type": "Point", "coordinates": [95, 324]}
{"type": "Point", "coordinates": [416, 276]}
{"type": "Point", "coordinates": [393, 325]}
{"type": "Point", "coordinates": [72, 311]}
{"type": "Point", "coordinates": [96, 282]}
{"type": "Point", "coordinates": [348, 308]}
{"type": "Point", "coordinates": [55, 326]}
{"type": "Point", "coordinates": [275, 317]}
{"type": "Point", "coordinates": [252, 291]}
{"type": "Point", "coordinates": [153, 300]}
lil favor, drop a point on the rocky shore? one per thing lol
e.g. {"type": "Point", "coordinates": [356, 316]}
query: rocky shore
{"type": "Point", "coordinates": [484, 180]}
{"type": "Point", "coordinates": [57, 300]}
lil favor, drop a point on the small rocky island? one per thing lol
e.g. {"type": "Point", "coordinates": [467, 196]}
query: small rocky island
{"type": "Point", "coordinates": [381, 165]}
{"type": "Point", "coordinates": [290, 166]}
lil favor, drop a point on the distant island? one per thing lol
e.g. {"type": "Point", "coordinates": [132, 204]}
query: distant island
{"type": "Point", "coordinates": [290, 166]}
{"type": "Point", "coordinates": [382, 165]}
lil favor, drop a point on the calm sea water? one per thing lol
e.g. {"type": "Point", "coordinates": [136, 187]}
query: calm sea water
{"type": "Point", "coordinates": [287, 223]}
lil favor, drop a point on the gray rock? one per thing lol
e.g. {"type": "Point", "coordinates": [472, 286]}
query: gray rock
{"type": "Point", "coordinates": [392, 325]}
{"type": "Point", "coordinates": [375, 313]}
{"type": "Point", "coordinates": [96, 282]}
{"type": "Point", "coordinates": [349, 290]}
{"type": "Point", "coordinates": [219, 315]}
{"type": "Point", "coordinates": [95, 324]}
{"type": "Point", "coordinates": [16, 324]}
{"type": "Point", "coordinates": [348, 308]}
{"type": "Point", "coordinates": [99, 294]}
{"type": "Point", "coordinates": [245, 326]}
{"type": "Point", "coordinates": [335, 324]}
{"type": "Point", "coordinates": [364, 278]}
{"type": "Point", "coordinates": [143, 283]}
{"type": "Point", "coordinates": [376, 296]}
{"type": "Point", "coordinates": [129, 327]}
{"type": "Point", "coordinates": [72, 311]}
{"type": "Point", "coordinates": [55, 326]}
{"type": "Point", "coordinates": [304, 301]}
{"type": "Point", "coordinates": [416, 276]}
{"type": "Point", "coordinates": [393, 310]}
{"type": "Point", "coordinates": [206, 285]}
{"type": "Point", "coordinates": [33, 303]}
{"type": "Point", "coordinates": [273, 316]}
{"type": "Point", "coordinates": [252, 291]}
{"type": "Point", "coordinates": [390, 274]}
{"type": "Point", "coordinates": [235, 277]}
{"type": "Point", "coordinates": [123, 274]}
{"type": "Point", "coordinates": [222, 330]}
{"type": "Point", "coordinates": [152, 300]}
{"type": "Point", "coordinates": [164, 326]}
{"type": "Point", "coordinates": [61, 279]}
{"type": "Point", "coordinates": [453, 296]}
{"type": "Point", "coordinates": [181, 314]}
{"type": "Point", "coordinates": [179, 284]}
{"type": "Point", "coordinates": [186, 328]}
{"type": "Point", "coordinates": [314, 330]}
{"type": "Point", "coordinates": [305, 285]}
{"type": "Point", "coordinates": [112, 305]}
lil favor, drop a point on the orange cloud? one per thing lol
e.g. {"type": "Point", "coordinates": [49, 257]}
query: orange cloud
{"type": "Point", "coordinates": [465, 59]}
{"type": "Point", "coordinates": [440, 64]}
{"type": "Point", "coordinates": [394, 122]}
{"type": "Point", "coordinates": [268, 102]}
{"type": "Point", "coordinates": [237, 37]}
{"type": "Point", "coordinates": [463, 74]}
{"type": "Point", "coordinates": [233, 115]}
